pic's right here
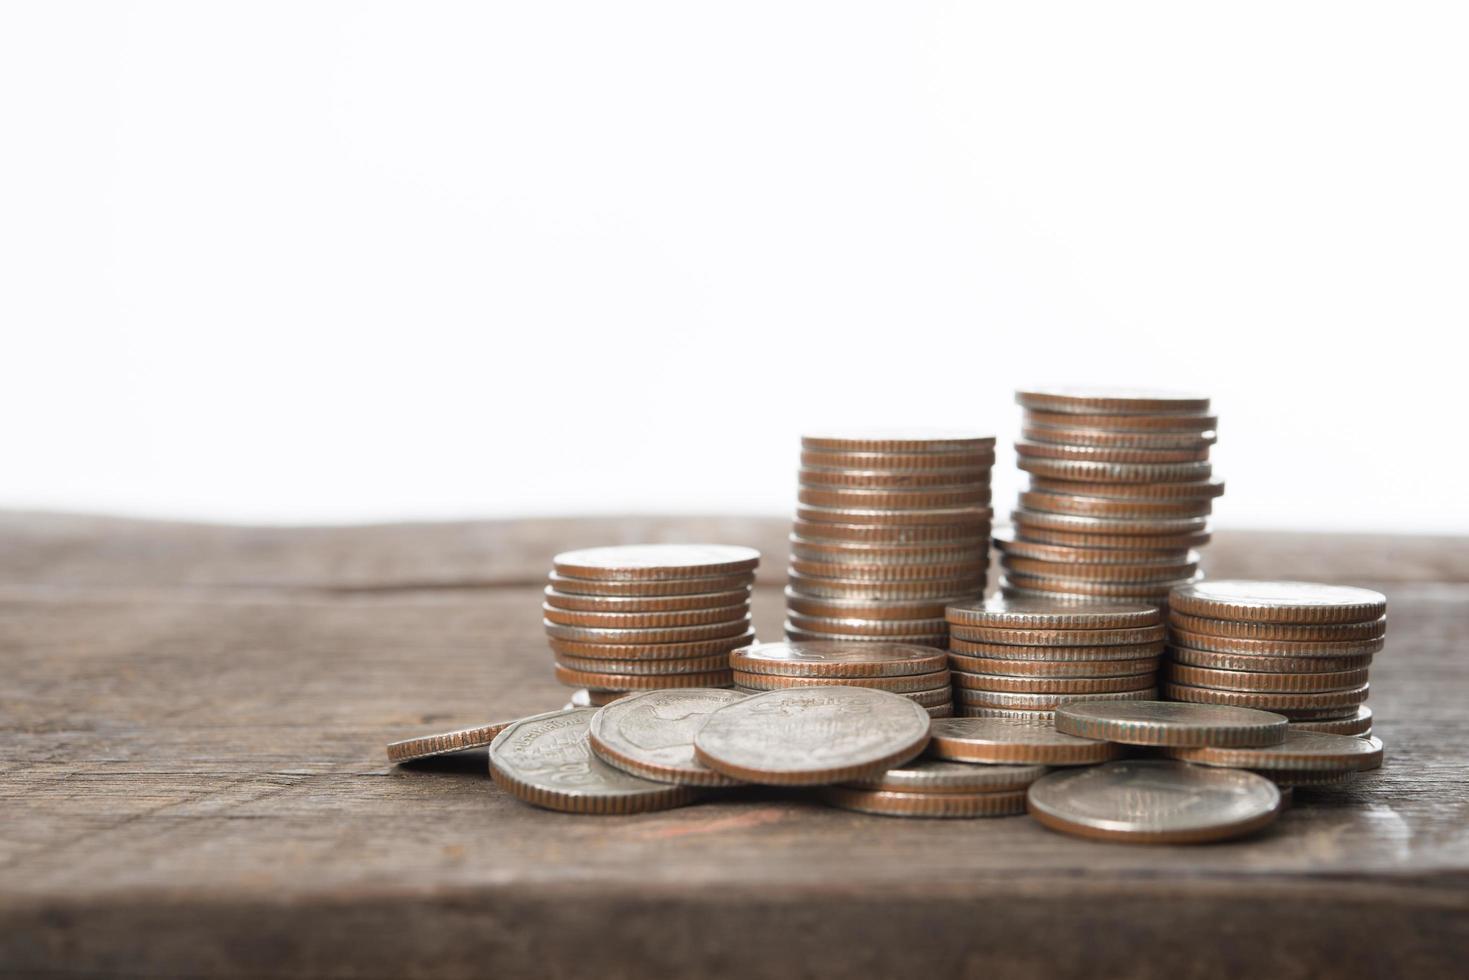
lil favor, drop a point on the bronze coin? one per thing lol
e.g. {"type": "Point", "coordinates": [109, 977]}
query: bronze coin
{"type": "Point", "coordinates": [1102, 573]}
{"type": "Point", "coordinates": [1108, 454]}
{"type": "Point", "coordinates": [1050, 614]}
{"type": "Point", "coordinates": [1155, 592]}
{"type": "Point", "coordinates": [1179, 422]}
{"type": "Point", "coordinates": [838, 659]}
{"type": "Point", "coordinates": [962, 517]}
{"type": "Point", "coordinates": [901, 684]}
{"type": "Point", "coordinates": [1058, 503]}
{"type": "Point", "coordinates": [1255, 661]}
{"type": "Point", "coordinates": [935, 805]}
{"type": "Point", "coordinates": [940, 710]}
{"type": "Point", "coordinates": [658, 587]}
{"type": "Point", "coordinates": [936, 776]}
{"type": "Point", "coordinates": [866, 627]}
{"type": "Point", "coordinates": [889, 462]}
{"type": "Point", "coordinates": [1279, 702]}
{"type": "Point", "coordinates": [1357, 723]}
{"type": "Point", "coordinates": [644, 620]}
{"type": "Point", "coordinates": [931, 699]}
{"type": "Point", "coordinates": [1024, 520]}
{"type": "Point", "coordinates": [836, 608]}
{"type": "Point", "coordinates": [1050, 685]}
{"type": "Point", "coordinates": [1188, 490]}
{"type": "Point", "coordinates": [894, 499]}
{"type": "Point", "coordinates": [899, 441]}
{"type": "Point", "coordinates": [1296, 779]}
{"type": "Point", "coordinates": [650, 668]}
{"type": "Point", "coordinates": [883, 572]}
{"type": "Point", "coordinates": [642, 637]}
{"type": "Point", "coordinates": [1005, 651]}
{"type": "Point", "coordinates": [1279, 602]}
{"type": "Point", "coordinates": [1008, 544]}
{"type": "Point", "coordinates": [835, 479]}
{"type": "Point", "coordinates": [1159, 543]}
{"type": "Point", "coordinates": [798, 635]}
{"type": "Point", "coordinates": [1315, 632]}
{"type": "Point", "coordinates": [1301, 751]}
{"type": "Point", "coordinates": [1171, 723]}
{"type": "Point", "coordinates": [1146, 439]}
{"type": "Point", "coordinates": [1275, 648]}
{"type": "Point", "coordinates": [1058, 637]}
{"type": "Point", "coordinates": [654, 651]}
{"type": "Point", "coordinates": [647, 604]}
{"type": "Point", "coordinates": [1014, 714]}
{"type": "Point", "coordinates": [1054, 668]}
{"type": "Point", "coordinates": [638, 562]}
{"type": "Point", "coordinates": [846, 588]}
{"type": "Point", "coordinates": [1111, 401]}
{"type": "Point", "coordinates": [863, 553]}
{"type": "Point", "coordinates": [1043, 702]}
{"type": "Point", "coordinates": [902, 534]}
{"type": "Point", "coordinates": [640, 682]}
{"type": "Point", "coordinates": [1316, 714]}
{"type": "Point", "coordinates": [463, 739]}
{"type": "Point", "coordinates": [1098, 472]}
{"type": "Point", "coordinates": [1000, 741]}
{"type": "Point", "coordinates": [1241, 680]}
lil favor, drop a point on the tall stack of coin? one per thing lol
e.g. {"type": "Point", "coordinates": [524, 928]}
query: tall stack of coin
{"type": "Point", "coordinates": [643, 617]}
{"type": "Point", "coordinates": [1120, 494]}
{"type": "Point", "coordinates": [1299, 649]}
{"type": "Point", "coordinates": [890, 528]}
{"type": "Point", "coordinates": [1024, 658]}
{"type": "Point", "coordinates": [918, 673]}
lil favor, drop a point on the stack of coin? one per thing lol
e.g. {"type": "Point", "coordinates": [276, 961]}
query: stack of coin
{"type": "Point", "coordinates": [643, 617]}
{"type": "Point", "coordinates": [1300, 649]}
{"type": "Point", "coordinates": [1120, 494]}
{"type": "Point", "coordinates": [1024, 658]}
{"type": "Point", "coordinates": [890, 527]}
{"type": "Point", "coordinates": [917, 673]}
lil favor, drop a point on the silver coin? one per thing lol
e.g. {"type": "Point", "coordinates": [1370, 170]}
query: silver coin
{"type": "Point", "coordinates": [1170, 723]}
{"type": "Point", "coordinates": [932, 776]}
{"type": "Point", "coordinates": [652, 735]}
{"type": "Point", "coordinates": [812, 735]}
{"type": "Point", "coordinates": [1155, 802]}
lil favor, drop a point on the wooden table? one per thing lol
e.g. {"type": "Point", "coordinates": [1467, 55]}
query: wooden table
{"type": "Point", "coordinates": [193, 784]}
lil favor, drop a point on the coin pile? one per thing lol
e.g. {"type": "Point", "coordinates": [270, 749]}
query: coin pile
{"type": "Point", "coordinates": [918, 673]}
{"type": "Point", "coordinates": [1300, 649]}
{"type": "Point", "coordinates": [642, 617]}
{"type": "Point", "coordinates": [1024, 658]}
{"type": "Point", "coordinates": [890, 527]}
{"type": "Point", "coordinates": [1120, 494]}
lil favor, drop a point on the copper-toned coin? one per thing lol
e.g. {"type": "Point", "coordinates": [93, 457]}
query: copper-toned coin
{"type": "Point", "coordinates": [1077, 400]}
{"type": "Point", "coordinates": [1109, 454]}
{"type": "Point", "coordinates": [645, 620]}
{"type": "Point", "coordinates": [546, 761]}
{"type": "Point", "coordinates": [902, 684]}
{"type": "Point", "coordinates": [1279, 602]}
{"type": "Point", "coordinates": [1275, 648]}
{"type": "Point", "coordinates": [941, 711]}
{"type": "Point", "coordinates": [1049, 615]}
{"type": "Point", "coordinates": [866, 627]}
{"type": "Point", "coordinates": [1044, 702]}
{"type": "Point", "coordinates": [1188, 490]}
{"type": "Point", "coordinates": [796, 634]}
{"type": "Point", "coordinates": [659, 668]}
{"type": "Point", "coordinates": [813, 735]}
{"type": "Point", "coordinates": [965, 517]}
{"type": "Point", "coordinates": [1008, 683]}
{"type": "Point", "coordinates": [835, 479]}
{"type": "Point", "coordinates": [946, 534]}
{"type": "Point", "coordinates": [930, 699]}
{"type": "Point", "coordinates": [889, 462]}
{"type": "Point", "coordinates": [1015, 741]}
{"type": "Point", "coordinates": [676, 634]}
{"type": "Point", "coordinates": [1301, 750]}
{"type": "Point", "coordinates": [838, 659]}
{"type": "Point", "coordinates": [883, 572]}
{"type": "Point", "coordinates": [1240, 680]}
{"type": "Point", "coordinates": [647, 604]}
{"type": "Point", "coordinates": [899, 441]}
{"type": "Point", "coordinates": [1282, 702]}
{"type": "Point", "coordinates": [862, 553]}
{"type": "Point", "coordinates": [1033, 717]}
{"type": "Point", "coordinates": [1358, 723]}
{"type": "Point", "coordinates": [1059, 637]}
{"type": "Point", "coordinates": [1170, 723]}
{"type": "Point", "coordinates": [1171, 543]}
{"type": "Point", "coordinates": [644, 651]}
{"type": "Point", "coordinates": [1059, 503]}
{"type": "Point", "coordinates": [652, 735]}
{"type": "Point", "coordinates": [1107, 526]}
{"type": "Point", "coordinates": [1146, 439]}
{"type": "Point", "coordinates": [652, 587]}
{"type": "Point", "coordinates": [845, 588]}
{"type": "Point", "coordinates": [1154, 801]}
{"type": "Point", "coordinates": [461, 740]}
{"type": "Point", "coordinates": [934, 805]}
{"type": "Point", "coordinates": [1115, 422]}
{"type": "Point", "coordinates": [1004, 651]}
{"type": "Point", "coordinates": [656, 561]}
{"type": "Point", "coordinates": [1090, 471]}
{"type": "Point", "coordinates": [639, 682]}
{"type": "Point", "coordinates": [1301, 779]}
{"type": "Point", "coordinates": [1311, 632]}
{"type": "Point", "coordinates": [894, 499]}
{"type": "Point", "coordinates": [1148, 591]}
{"type": "Point", "coordinates": [1104, 573]}
{"type": "Point", "coordinates": [934, 776]}
{"type": "Point", "coordinates": [1254, 661]}
{"type": "Point", "coordinates": [1054, 668]}
{"type": "Point", "coordinates": [838, 608]}
{"type": "Point", "coordinates": [1008, 544]}
{"type": "Point", "coordinates": [1316, 714]}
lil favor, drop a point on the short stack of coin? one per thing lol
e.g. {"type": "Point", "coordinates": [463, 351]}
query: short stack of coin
{"type": "Point", "coordinates": [890, 528]}
{"type": "Point", "coordinates": [1024, 658]}
{"type": "Point", "coordinates": [1120, 494]}
{"type": "Point", "coordinates": [644, 617]}
{"type": "Point", "coordinates": [918, 673]}
{"type": "Point", "coordinates": [1300, 649]}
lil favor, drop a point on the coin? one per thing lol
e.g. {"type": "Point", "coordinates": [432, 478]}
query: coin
{"type": "Point", "coordinates": [837, 608]}
{"type": "Point", "coordinates": [1153, 591]}
{"type": "Point", "coordinates": [884, 572]}
{"type": "Point", "coordinates": [1109, 454]}
{"type": "Point", "coordinates": [677, 634]}
{"type": "Point", "coordinates": [1059, 637]}
{"type": "Point", "coordinates": [845, 588]}
{"type": "Point", "coordinates": [968, 476]}
{"type": "Point", "coordinates": [653, 587]}
{"type": "Point", "coordinates": [1179, 422]}
{"type": "Point", "coordinates": [899, 440]}
{"type": "Point", "coordinates": [1279, 602]}
{"type": "Point", "coordinates": [1171, 723]}
{"type": "Point", "coordinates": [1030, 717]}
{"type": "Point", "coordinates": [1008, 544]}
{"type": "Point", "coordinates": [425, 746]}
{"type": "Point", "coordinates": [583, 698]}
{"type": "Point", "coordinates": [838, 659]}
{"type": "Point", "coordinates": [545, 760]}
{"type": "Point", "coordinates": [655, 561]}
{"type": "Point", "coordinates": [1154, 802]}
{"type": "Point", "coordinates": [1358, 723]}
{"type": "Point", "coordinates": [1318, 632]}
{"type": "Point", "coordinates": [638, 682]}
{"type": "Point", "coordinates": [918, 639]}
{"type": "Point", "coordinates": [1060, 503]}
{"type": "Point", "coordinates": [888, 462]}
{"type": "Point", "coordinates": [931, 776]}
{"type": "Point", "coordinates": [645, 620]}
{"type": "Point", "coordinates": [813, 735]}
{"type": "Point", "coordinates": [866, 627]}
{"type": "Point", "coordinates": [1276, 648]}
{"type": "Point", "coordinates": [1014, 741]}
{"type": "Point", "coordinates": [1053, 668]}
{"type": "Point", "coordinates": [1146, 439]}
{"type": "Point", "coordinates": [1111, 401]}
{"type": "Point", "coordinates": [1105, 526]}
{"type": "Point", "coordinates": [1092, 471]}
{"type": "Point", "coordinates": [1009, 683]}
{"type": "Point", "coordinates": [940, 711]}
{"type": "Point", "coordinates": [862, 553]}
{"type": "Point", "coordinates": [953, 805]}
{"type": "Point", "coordinates": [652, 668]}
{"type": "Point", "coordinates": [1301, 750]}
{"type": "Point", "coordinates": [1255, 661]}
{"type": "Point", "coordinates": [652, 735]}
{"type": "Point", "coordinates": [1043, 702]}
{"type": "Point", "coordinates": [1013, 614]}
{"type": "Point", "coordinates": [655, 651]}
{"type": "Point", "coordinates": [1187, 490]}
{"type": "Point", "coordinates": [643, 604]}
{"type": "Point", "coordinates": [1302, 779]}
{"type": "Point", "coordinates": [964, 517]}
{"type": "Point", "coordinates": [947, 534]}
{"type": "Point", "coordinates": [894, 499]}
{"type": "Point", "coordinates": [1270, 701]}
{"type": "Point", "coordinates": [1002, 651]}
{"type": "Point", "coordinates": [1241, 680]}
{"type": "Point", "coordinates": [1169, 543]}
{"type": "Point", "coordinates": [900, 684]}
{"type": "Point", "coordinates": [1105, 573]}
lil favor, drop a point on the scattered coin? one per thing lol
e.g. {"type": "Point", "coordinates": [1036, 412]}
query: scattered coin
{"type": "Point", "coordinates": [994, 740]}
{"type": "Point", "coordinates": [1301, 750]}
{"type": "Point", "coordinates": [652, 735]}
{"type": "Point", "coordinates": [656, 561]}
{"type": "Point", "coordinates": [1279, 602]}
{"type": "Point", "coordinates": [953, 805]}
{"type": "Point", "coordinates": [1171, 723]}
{"type": "Point", "coordinates": [426, 746]}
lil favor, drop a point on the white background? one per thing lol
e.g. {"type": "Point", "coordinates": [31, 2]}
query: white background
{"type": "Point", "coordinates": [311, 261]}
